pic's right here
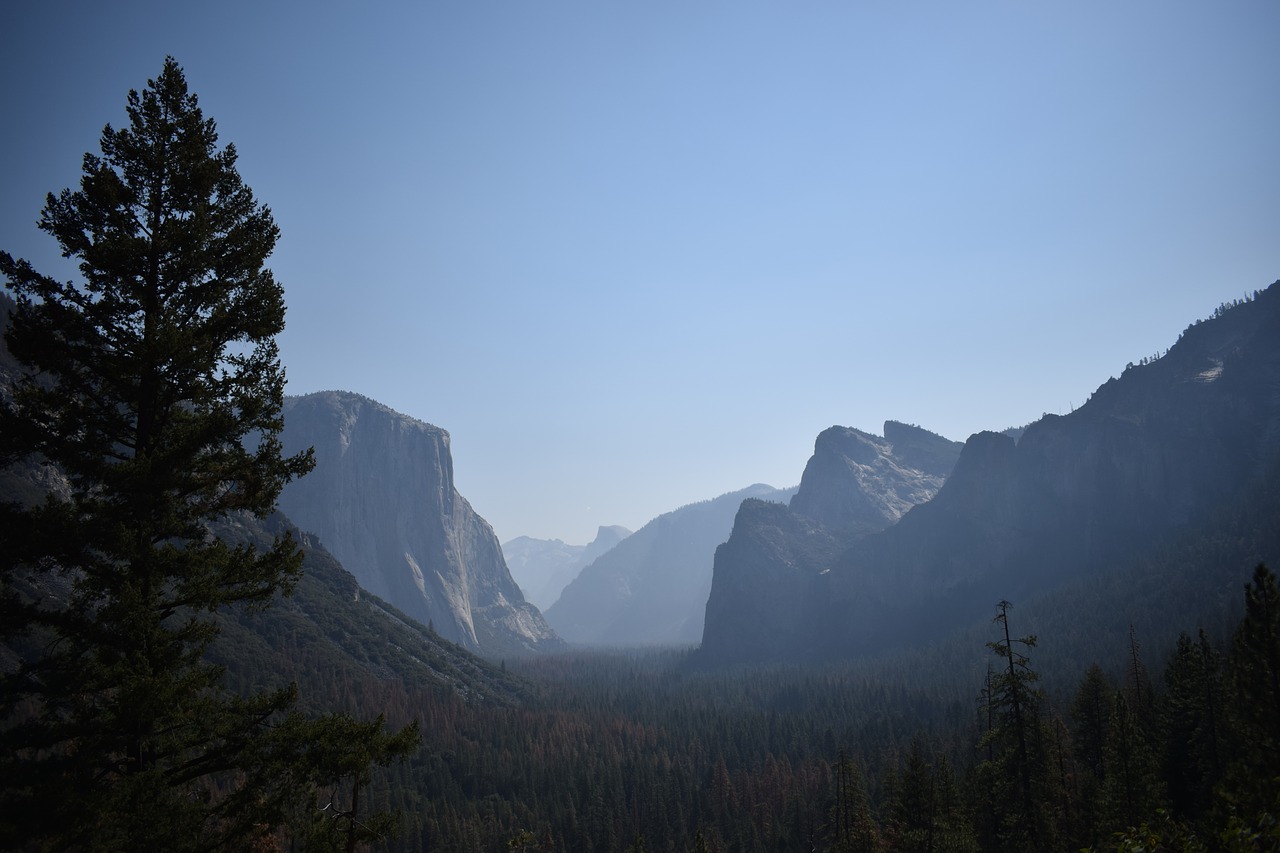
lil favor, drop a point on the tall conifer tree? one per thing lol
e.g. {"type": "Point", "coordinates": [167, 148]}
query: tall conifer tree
{"type": "Point", "coordinates": [1192, 711]}
{"type": "Point", "coordinates": [852, 827]}
{"type": "Point", "coordinates": [156, 391]}
{"type": "Point", "coordinates": [1013, 775]}
{"type": "Point", "coordinates": [1254, 781]}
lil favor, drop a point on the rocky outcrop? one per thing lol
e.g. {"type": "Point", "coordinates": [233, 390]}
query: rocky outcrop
{"type": "Point", "coordinates": [855, 484]}
{"type": "Point", "coordinates": [382, 500]}
{"type": "Point", "coordinates": [651, 589]}
{"type": "Point", "coordinates": [1153, 455]}
{"type": "Point", "coordinates": [544, 567]}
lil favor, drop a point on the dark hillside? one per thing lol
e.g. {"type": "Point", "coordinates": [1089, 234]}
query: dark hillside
{"type": "Point", "coordinates": [345, 648]}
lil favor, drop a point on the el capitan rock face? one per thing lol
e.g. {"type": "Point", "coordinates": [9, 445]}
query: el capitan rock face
{"type": "Point", "coordinates": [382, 500]}
{"type": "Point", "coordinates": [1153, 455]}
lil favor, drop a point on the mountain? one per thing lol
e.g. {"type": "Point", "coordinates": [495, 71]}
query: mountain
{"type": "Point", "coordinates": [1155, 457]}
{"type": "Point", "coordinates": [382, 500]}
{"type": "Point", "coordinates": [651, 588]}
{"type": "Point", "coordinates": [855, 484]}
{"type": "Point", "coordinates": [544, 567]}
{"type": "Point", "coordinates": [330, 637]}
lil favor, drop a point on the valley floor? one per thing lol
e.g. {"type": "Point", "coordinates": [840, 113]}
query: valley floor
{"type": "Point", "coordinates": [642, 751]}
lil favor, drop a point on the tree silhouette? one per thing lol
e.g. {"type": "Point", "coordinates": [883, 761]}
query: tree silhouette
{"type": "Point", "coordinates": [155, 391]}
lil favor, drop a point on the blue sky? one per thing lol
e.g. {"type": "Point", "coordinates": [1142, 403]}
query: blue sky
{"type": "Point", "coordinates": [634, 255]}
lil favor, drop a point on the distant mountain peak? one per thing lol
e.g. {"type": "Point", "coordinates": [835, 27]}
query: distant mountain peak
{"type": "Point", "coordinates": [544, 567]}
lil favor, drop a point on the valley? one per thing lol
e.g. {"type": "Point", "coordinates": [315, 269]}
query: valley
{"type": "Point", "coordinates": [769, 734]}
{"type": "Point", "coordinates": [640, 428]}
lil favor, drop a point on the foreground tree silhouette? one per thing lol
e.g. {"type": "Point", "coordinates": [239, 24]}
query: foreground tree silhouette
{"type": "Point", "coordinates": [156, 392]}
{"type": "Point", "coordinates": [1012, 778]}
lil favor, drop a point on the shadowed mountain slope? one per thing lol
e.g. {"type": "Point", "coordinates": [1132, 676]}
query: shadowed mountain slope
{"type": "Point", "coordinates": [1150, 458]}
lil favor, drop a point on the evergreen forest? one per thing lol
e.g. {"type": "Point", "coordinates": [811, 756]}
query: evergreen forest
{"type": "Point", "coordinates": [1175, 749]}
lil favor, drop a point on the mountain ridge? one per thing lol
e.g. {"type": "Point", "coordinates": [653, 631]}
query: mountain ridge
{"type": "Point", "coordinates": [1149, 454]}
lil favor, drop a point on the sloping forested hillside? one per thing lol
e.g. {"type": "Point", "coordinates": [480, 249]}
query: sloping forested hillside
{"type": "Point", "coordinates": [344, 647]}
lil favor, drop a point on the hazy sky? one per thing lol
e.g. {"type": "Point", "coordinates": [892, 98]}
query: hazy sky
{"type": "Point", "coordinates": [638, 254]}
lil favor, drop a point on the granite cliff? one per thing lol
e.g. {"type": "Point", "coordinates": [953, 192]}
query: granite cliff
{"type": "Point", "coordinates": [1156, 456]}
{"type": "Point", "coordinates": [382, 500]}
{"type": "Point", "coordinates": [651, 588]}
{"type": "Point", "coordinates": [855, 484]}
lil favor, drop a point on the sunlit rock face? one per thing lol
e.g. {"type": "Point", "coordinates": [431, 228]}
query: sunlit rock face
{"type": "Point", "coordinates": [382, 500]}
{"type": "Point", "coordinates": [856, 482]}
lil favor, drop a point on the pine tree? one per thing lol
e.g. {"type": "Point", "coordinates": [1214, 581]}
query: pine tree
{"type": "Point", "coordinates": [1090, 715]}
{"type": "Point", "coordinates": [1139, 691]}
{"type": "Point", "coordinates": [1191, 714]}
{"type": "Point", "coordinates": [852, 826]}
{"type": "Point", "coordinates": [1090, 729]}
{"type": "Point", "coordinates": [925, 813]}
{"type": "Point", "coordinates": [1254, 780]}
{"type": "Point", "coordinates": [913, 809]}
{"type": "Point", "coordinates": [155, 390]}
{"type": "Point", "coordinates": [1131, 790]}
{"type": "Point", "coordinates": [1013, 775]}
